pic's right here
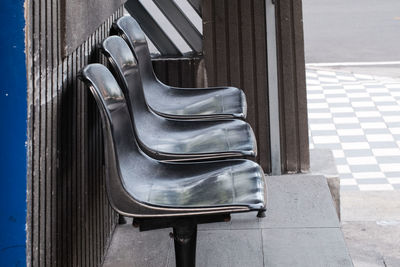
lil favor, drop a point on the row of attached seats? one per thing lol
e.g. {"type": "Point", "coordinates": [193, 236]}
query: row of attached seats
{"type": "Point", "coordinates": [174, 156]}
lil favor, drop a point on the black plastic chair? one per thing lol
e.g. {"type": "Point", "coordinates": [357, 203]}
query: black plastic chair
{"type": "Point", "coordinates": [174, 140]}
{"type": "Point", "coordinates": [159, 194]}
{"type": "Point", "coordinates": [174, 102]}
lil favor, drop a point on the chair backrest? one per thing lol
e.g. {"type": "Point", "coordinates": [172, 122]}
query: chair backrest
{"type": "Point", "coordinates": [125, 163]}
{"type": "Point", "coordinates": [126, 67]}
{"type": "Point", "coordinates": [132, 33]}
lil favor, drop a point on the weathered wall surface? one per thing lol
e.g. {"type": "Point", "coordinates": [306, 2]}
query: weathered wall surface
{"type": "Point", "coordinates": [69, 220]}
{"type": "Point", "coordinates": [80, 18]}
{"type": "Point", "coordinates": [13, 134]}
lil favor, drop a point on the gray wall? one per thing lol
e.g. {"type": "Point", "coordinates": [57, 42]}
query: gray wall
{"type": "Point", "coordinates": [80, 18]}
{"type": "Point", "coordinates": [69, 220]}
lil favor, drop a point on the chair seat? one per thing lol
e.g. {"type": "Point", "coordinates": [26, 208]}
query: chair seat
{"type": "Point", "coordinates": [174, 102]}
{"type": "Point", "coordinates": [214, 184]}
{"type": "Point", "coordinates": [196, 104]}
{"type": "Point", "coordinates": [187, 141]}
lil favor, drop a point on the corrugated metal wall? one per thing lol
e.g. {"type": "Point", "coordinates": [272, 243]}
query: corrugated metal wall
{"type": "Point", "coordinates": [235, 54]}
{"type": "Point", "coordinates": [69, 219]}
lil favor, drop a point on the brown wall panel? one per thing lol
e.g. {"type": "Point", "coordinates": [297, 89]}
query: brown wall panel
{"type": "Point", "coordinates": [69, 220]}
{"type": "Point", "coordinates": [235, 54]}
{"type": "Point", "coordinates": [292, 86]}
{"type": "Point", "coordinates": [182, 72]}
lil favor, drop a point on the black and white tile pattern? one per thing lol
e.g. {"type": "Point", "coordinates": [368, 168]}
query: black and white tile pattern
{"type": "Point", "coordinates": [358, 118]}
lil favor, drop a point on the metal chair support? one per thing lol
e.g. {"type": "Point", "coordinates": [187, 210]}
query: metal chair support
{"type": "Point", "coordinates": [185, 244]}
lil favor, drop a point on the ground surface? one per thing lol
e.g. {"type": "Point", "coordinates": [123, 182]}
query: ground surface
{"type": "Point", "coordinates": [358, 118]}
{"type": "Point", "coordinates": [300, 229]}
{"type": "Point", "coordinates": [342, 31]}
{"type": "Point", "coordinates": [351, 31]}
{"type": "Point", "coordinates": [371, 226]}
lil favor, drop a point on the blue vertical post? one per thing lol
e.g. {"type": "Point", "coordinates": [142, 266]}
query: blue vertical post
{"type": "Point", "coordinates": [13, 133]}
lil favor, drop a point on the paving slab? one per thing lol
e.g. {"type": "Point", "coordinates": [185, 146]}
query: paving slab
{"type": "Point", "coordinates": [305, 247]}
{"type": "Point", "coordinates": [370, 206]}
{"type": "Point", "coordinates": [375, 244]}
{"type": "Point", "coordinates": [299, 201]}
{"type": "Point", "coordinates": [227, 249]}
{"type": "Point", "coordinates": [289, 206]}
{"type": "Point", "coordinates": [371, 226]}
{"type": "Point", "coordinates": [131, 248]}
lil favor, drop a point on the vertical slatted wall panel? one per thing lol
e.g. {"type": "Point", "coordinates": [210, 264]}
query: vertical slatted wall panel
{"type": "Point", "coordinates": [235, 54]}
{"type": "Point", "coordinates": [69, 219]}
{"type": "Point", "coordinates": [182, 72]}
{"type": "Point", "coordinates": [292, 86]}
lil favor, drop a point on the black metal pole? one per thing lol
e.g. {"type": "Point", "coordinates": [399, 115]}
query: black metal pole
{"type": "Point", "coordinates": [185, 245]}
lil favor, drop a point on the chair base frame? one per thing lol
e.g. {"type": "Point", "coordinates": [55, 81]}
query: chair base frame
{"type": "Point", "coordinates": [184, 233]}
{"type": "Point", "coordinates": [185, 237]}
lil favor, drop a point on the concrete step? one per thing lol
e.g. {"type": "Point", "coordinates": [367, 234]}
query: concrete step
{"type": "Point", "coordinates": [322, 162]}
{"type": "Point", "coordinates": [301, 229]}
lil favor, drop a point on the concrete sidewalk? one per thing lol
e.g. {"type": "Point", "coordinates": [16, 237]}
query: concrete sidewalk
{"type": "Point", "coordinates": [357, 106]}
{"type": "Point", "coordinates": [371, 226]}
{"type": "Point", "coordinates": [357, 116]}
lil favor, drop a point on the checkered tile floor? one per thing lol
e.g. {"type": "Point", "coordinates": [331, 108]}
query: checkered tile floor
{"type": "Point", "coordinates": [358, 118]}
